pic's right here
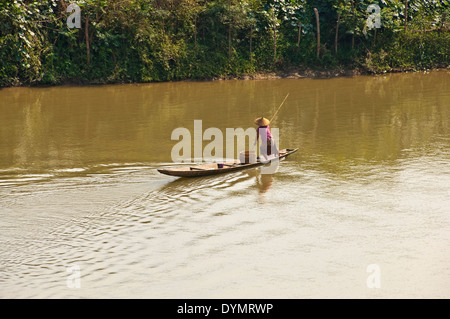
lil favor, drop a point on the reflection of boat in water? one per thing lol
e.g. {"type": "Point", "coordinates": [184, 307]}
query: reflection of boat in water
{"type": "Point", "coordinates": [214, 169]}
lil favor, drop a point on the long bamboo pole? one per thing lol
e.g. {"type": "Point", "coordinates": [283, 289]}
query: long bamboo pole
{"type": "Point", "coordinates": [279, 107]}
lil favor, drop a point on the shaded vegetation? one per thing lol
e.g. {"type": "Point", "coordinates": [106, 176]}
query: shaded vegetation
{"type": "Point", "coordinates": [161, 40]}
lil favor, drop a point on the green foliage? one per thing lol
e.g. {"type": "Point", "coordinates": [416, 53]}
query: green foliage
{"type": "Point", "coordinates": [160, 40]}
{"type": "Point", "coordinates": [412, 51]}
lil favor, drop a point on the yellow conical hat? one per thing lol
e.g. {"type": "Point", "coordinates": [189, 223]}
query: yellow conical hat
{"type": "Point", "coordinates": [262, 121]}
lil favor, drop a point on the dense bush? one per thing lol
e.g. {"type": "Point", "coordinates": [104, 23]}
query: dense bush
{"type": "Point", "coordinates": [160, 40]}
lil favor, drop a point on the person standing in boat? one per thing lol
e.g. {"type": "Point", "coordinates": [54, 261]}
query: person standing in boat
{"type": "Point", "coordinates": [268, 146]}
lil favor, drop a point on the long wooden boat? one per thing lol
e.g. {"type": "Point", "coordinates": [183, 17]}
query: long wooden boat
{"type": "Point", "coordinates": [213, 169]}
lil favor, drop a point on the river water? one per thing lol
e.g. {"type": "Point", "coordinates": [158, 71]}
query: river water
{"type": "Point", "coordinates": [361, 211]}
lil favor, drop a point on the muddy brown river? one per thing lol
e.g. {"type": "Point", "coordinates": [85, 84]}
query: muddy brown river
{"type": "Point", "coordinates": [362, 210]}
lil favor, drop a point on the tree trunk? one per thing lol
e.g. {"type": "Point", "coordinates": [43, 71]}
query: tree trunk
{"type": "Point", "coordinates": [318, 31]}
{"type": "Point", "coordinates": [251, 38]}
{"type": "Point", "coordinates": [229, 41]}
{"type": "Point", "coordinates": [442, 22]}
{"type": "Point", "coordinates": [195, 33]}
{"type": "Point", "coordinates": [64, 7]}
{"type": "Point", "coordinates": [274, 36]}
{"type": "Point", "coordinates": [86, 32]}
{"type": "Point", "coordinates": [337, 33]}
{"type": "Point", "coordinates": [353, 18]}
{"type": "Point", "coordinates": [299, 35]}
{"type": "Point", "coordinates": [406, 13]}
{"type": "Point", "coordinates": [374, 37]}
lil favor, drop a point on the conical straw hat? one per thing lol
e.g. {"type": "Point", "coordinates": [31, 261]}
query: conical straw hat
{"type": "Point", "coordinates": [262, 121]}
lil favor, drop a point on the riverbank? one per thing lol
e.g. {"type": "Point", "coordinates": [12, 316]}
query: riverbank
{"type": "Point", "coordinates": [300, 73]}
{"type": "Point", "coordinates": [295, 73]}
{"type": "Point", "coordinates": [286, 73]}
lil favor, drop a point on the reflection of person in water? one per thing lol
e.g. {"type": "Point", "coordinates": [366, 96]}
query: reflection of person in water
{"type": "Point", "coordinates": [264, 182]}
{"type": "Point", "coordinates": [264, 178]}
